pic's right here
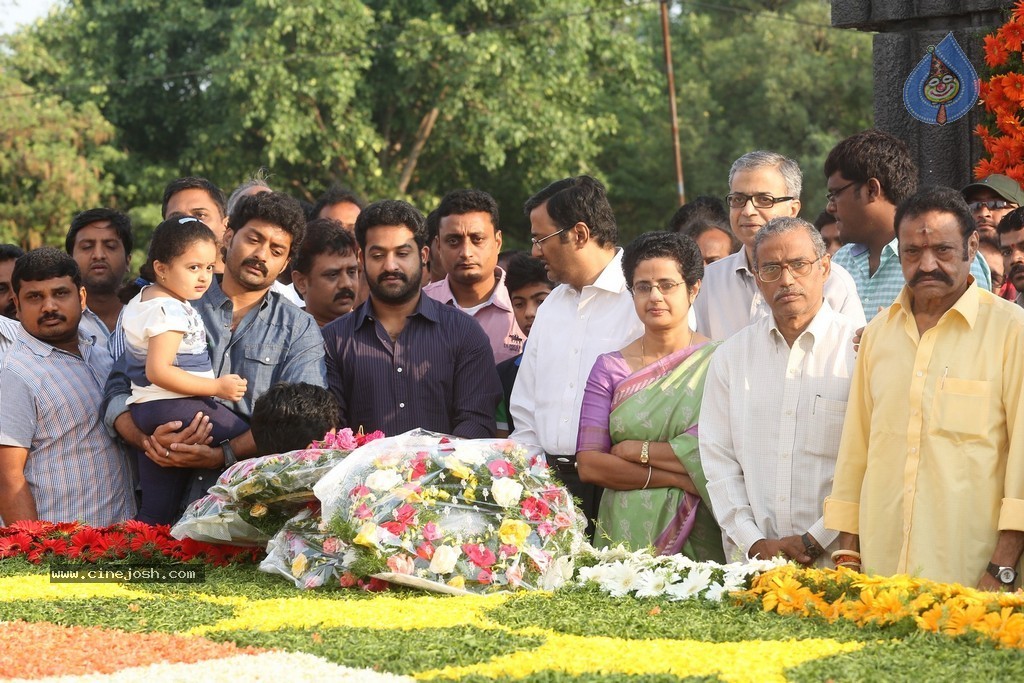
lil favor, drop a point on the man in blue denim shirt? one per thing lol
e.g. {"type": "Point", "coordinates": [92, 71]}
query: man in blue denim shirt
{"type": "Point", "coordinates": [252, 332]}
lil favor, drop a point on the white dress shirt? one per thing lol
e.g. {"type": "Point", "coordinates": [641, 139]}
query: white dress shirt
{"type": "Point", "coordinates": [571, 330]}
{"type": "Point", "coordinates": [729, 298]}
{"type": "Point", "coordinates": [770, 425]}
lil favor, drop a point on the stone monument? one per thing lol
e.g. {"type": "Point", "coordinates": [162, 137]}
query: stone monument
{"type": "Point", "coordinates": [904, 31]}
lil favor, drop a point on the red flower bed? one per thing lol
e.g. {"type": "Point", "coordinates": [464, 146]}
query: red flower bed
{"type": "Point", "coordinates": [129, 541]}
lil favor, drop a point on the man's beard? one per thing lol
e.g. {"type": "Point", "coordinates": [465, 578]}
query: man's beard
{"type": "Point", "coordinates": [395, 293]}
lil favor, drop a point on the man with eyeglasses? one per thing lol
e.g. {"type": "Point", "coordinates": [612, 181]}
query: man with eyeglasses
{"type": "Point", "coordinates": [774, 402]}
{"type": "Point", "coordinates": [867, 175]}
{"type": "Point", "coordinates": [573, 231]}
{"type": "Point", "coordinates": [762, 185]}
{"type": "Point", "coordinates": [990, 199]}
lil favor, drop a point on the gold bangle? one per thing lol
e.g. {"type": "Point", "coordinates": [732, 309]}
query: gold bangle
{"type": "Point", "coordinates": [645, 455]}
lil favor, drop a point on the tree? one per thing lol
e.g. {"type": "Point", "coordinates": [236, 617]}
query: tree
{"type": "Point", "coordinates": [54, 160]}
{"type": "Point", "coordinates": [394, 97]}
{"type": "Point", "coordinates": [757, 79]}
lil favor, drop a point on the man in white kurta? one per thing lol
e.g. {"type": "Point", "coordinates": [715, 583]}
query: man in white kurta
{"type": "Point", "coordinates": [774, 402]}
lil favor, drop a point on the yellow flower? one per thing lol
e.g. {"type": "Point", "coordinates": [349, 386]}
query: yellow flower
{"type": "Point", "coordinates": [457, 582]}
{"type": "Point", "coordinates": [513, 532]}
{"type": "Point", "coordinates": [930, 620]}
{"type": "Point", "coordinates": [367, 535]}
{"type": "Point", "coordinates": [299, 565]}
{"type": "Point", "coordinates": [457, 467]}
{"type": "Point", "coordinates": [258, 510]}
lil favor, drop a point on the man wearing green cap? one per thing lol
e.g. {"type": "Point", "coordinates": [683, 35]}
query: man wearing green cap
{"type": "Point", "coordinates": [990, 199]}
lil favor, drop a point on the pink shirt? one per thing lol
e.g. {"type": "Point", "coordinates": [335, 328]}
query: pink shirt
{"type": "Point", "coordinates": [495, 317]}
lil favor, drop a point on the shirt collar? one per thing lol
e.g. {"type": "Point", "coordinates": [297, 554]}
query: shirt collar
{"type": "Point", "coordinates": [425, 307]}
{"type": "Point", "coordinates": [43, 350]}
{"type": "Point", "coordinates": [499, 297]}
{"type": "Point", "coordinates": [966, 306]}
{"type": "Point", "coordinates": [816, 330]}
{"type": "Point", "coordinates": [611, 278]}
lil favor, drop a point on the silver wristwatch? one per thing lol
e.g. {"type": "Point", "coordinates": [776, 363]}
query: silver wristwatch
{"type": "Point", "coordinates": [1005, 575]}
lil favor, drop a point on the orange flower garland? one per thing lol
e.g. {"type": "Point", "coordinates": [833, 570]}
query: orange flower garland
{"type": "Point", "coordinates": [1003, 96]}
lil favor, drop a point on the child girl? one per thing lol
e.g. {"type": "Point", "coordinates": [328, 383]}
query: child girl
{"type": "Point", "coordinates": [168, 359]}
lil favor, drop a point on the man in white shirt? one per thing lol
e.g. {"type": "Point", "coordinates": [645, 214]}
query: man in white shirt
{"type": "Point", "coordinates": [573, 231]}
{"type": "Point", "coordinates": [774, 403]}
{"type": "Point", "coordinates": [762, 185]}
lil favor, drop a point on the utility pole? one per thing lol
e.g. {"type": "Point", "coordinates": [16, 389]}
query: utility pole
{"type": "Point", "coordinates": [672, 102]}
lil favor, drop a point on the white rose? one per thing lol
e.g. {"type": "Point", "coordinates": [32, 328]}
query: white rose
{"type": "Point", "coordinates": [558, 573]}
{"type": "Point", "coordinates": [506, 492]}
{"type": "Point", "coordinates": [444, 559]}
{"type": "Point", "coordinates": [384, 480]}
{"type": "Point", "coordinates": [469, 452]}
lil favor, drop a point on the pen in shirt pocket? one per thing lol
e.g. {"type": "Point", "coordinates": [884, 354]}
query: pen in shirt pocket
{"type": "Point", "coordinates": [942, 384]}
{"type": "Point", "coordinates": [814, 407]}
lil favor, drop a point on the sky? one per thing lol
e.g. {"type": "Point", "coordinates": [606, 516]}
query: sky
{"type": "Point", "coordinates": [16, 12]}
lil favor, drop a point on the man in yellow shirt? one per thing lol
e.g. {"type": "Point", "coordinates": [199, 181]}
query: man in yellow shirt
{"type": "Point", "coordinates": [930, 476]}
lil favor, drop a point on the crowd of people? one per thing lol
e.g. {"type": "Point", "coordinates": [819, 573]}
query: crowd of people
{"type": "Point", "coordinates": [742, 384]}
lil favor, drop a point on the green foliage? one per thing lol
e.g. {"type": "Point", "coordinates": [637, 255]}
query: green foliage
{"type": "Point", "coordinates": [412, 98]}
{"type": "Point", "coordinates": [367, 648]}
{"type": "Point", "coordinates": [54, 160]}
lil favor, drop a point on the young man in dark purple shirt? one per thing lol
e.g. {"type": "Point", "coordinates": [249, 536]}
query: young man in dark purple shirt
{"type": "Point", "coordinates": [402, 360]}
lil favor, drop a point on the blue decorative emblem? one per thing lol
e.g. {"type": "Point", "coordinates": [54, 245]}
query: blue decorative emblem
{"type": "Point", "coordinates": [943, 86]}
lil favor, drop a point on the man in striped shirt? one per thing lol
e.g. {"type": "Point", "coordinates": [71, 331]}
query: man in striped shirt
{"type": "Point", "coordinates": [57, 462]}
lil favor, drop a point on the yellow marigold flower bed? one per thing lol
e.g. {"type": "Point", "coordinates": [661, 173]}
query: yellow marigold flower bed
{"type": "Point", "coordinates": [841, 593]}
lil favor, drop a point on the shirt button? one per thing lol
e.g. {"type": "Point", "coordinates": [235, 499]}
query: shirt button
{"type": "Point", "coordinates": [401, 405]}
{"type": "Point", "coordinates": [267, 359]}
{"type": "Point", "coordinates": [919, 373]}
{"type": "Point", "coordinates": [789, 412]}
{"type": "Point", "coordinates": [913, 450]}
{"type": "Point", "coordinates": [399, 369]}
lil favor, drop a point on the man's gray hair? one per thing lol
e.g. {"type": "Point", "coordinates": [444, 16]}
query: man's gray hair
{"type": "Point", "coordinates": [789, 169]}
{"type": "Point", "coordinates": [784, 224]}
{"type": "Point", "coordinates": [258, 179]}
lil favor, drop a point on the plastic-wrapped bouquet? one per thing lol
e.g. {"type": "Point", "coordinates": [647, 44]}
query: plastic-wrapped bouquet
{"type": "Point", "coordinates": [253, 498]}
{"type": "Point", "coordinates": [452, 515]}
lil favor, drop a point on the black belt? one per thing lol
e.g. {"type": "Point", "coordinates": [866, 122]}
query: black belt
{"type": "Point", "coordinates": [565, 464]}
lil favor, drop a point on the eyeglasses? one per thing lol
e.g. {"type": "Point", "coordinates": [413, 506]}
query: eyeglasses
{"type": "Point", "coordinates": [831, 195]}
{"type": "Point", "coordinates": [537, 242]}
{"type": "Point", "coordinates": [773, 271]}
{"type": "Point", "coordinates": [762, 200]}
{"type": "Point", "coordinates": [644, 289]}
{"type": "Point", "coordinates": [991, 205]}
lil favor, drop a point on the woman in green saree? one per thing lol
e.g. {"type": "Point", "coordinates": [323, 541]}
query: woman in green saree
{"type": "Point", "coordinates": [638, 424]}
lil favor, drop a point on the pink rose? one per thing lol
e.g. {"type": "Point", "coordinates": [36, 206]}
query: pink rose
{"type": "Point", "coordinates": [514, 574]}
{"type": "Point", "coordinates": [552, 495]}
{"type": "Point", "coordinates": [507, 550]}
{"type": "Point", "coordinates": [480, 555]}
{"type": "Point", "coordinates": [359, 492]}
{"type": "Point", "coordinates": [331, 545]}
{"type": "Point", "coordinates": [431, 531]}
{"type": "Point", "coordinates": [401, 564]}
{"type": "Point", "coordinates": [485, 576]}
{"type": "Point", "coordinates": [563, 520]}
{"type": "Point", "coordinates": [347, 580]}
{"type": "Point", "coordinates": [363, 511]}
{"type": "Point", "coordinates": [545, 529]}
{"type": "Point", "coordinates": [406, 514]}
{"type": "Point", "coordinates": [501, 468]}
{"type": "Point", "coordinates": [535, 509]}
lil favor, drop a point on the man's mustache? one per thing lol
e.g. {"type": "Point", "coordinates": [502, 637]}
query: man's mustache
{"type": "Point", "coordinates": [344, 293]}
{"type": "Point", "coordinates": [396, 274]}
{"type": "Point", "coordinates": [51, 316]}
{"type": "Point", "coordinates": [257, 264]}
{"type": "Point", "coordinates": [934, 274]}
